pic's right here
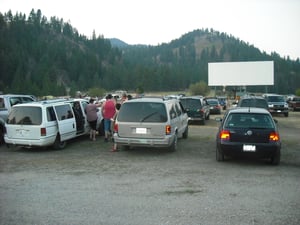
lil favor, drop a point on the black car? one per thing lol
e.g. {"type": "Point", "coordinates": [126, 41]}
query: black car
{"type": "Point", "coordinates": [196, 107]}
{"type": "Point", "coordinates": [214, 106]}
{"type": "Point", "coordinates": [248, 131]}
{"type": "Point", "coordinates": [253, 101]}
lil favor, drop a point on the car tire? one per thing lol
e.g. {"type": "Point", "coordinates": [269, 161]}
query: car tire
{"type": "Point", "coordinates": [219, 155]}
{"type": "Point", "coordinates": [186, 133]}
{"type": "Point", "coordinates": [2, 135]}
{"type": "Point", "coordinates": [286, 114]}
{"type": "Point", "coordinates": [275, 159]}
{"type": "Point", "coordinates": [58, 145]}
{"type": "Point", "coordinates": [125, 147]}
{"type": "Point", "coordinates": [173, 146]}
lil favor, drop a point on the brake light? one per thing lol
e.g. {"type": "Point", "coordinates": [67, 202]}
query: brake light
{"type": "Point", "coordinates": [116, 128]}
{"type": "Point", "coordinates": [224, 135]}
{"type": "Point", "coordinates": [43, 131]}
{"type": "Point", "coordinates": [274, 136]}
{"type": "Point", "coordinates": [168, 129]}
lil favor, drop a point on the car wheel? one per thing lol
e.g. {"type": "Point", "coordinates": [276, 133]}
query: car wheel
{"type": "Point", "coordinates": [275, 159]}
{"type": "Point", "coordinates": [125, 147]}
{"type": "Point", "coordinates": [173, 146]}
{"type": "Point", "coordinates": [58, 145]}
{"type": "Point", "coordinates": [219, 155]}
{"type": "Point", "coordinates": [286, 114]}
{"type": "Point", "coordinates": [186, 133]}
{"type": "Point", "coordinates": [1, 135]}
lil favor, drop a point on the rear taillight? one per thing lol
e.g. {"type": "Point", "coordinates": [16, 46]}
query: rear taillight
{"type": "Point", "coordinates": [116, 128]}
{"type": "Point", "coordinates": [224, 135]}
{"type": "Point", "coordinates": [168, 129]}
{"type": "Point", "coordinates": [43, 131]}
{"type": "Point", "coordinates": [274, 136]}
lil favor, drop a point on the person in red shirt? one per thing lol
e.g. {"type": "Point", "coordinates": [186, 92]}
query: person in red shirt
{"type": "Point", "coordinates": [108, 111]}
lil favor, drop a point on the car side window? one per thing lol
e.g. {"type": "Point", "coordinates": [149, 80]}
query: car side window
{"type": "Point", "coordinates": [64, 112]}
{"type": "Point", "coordinates": [178, 109]}
{"type": "Point", "coordinates": [172, 112]}
{"type": "Point", "coordinates": [2, 103]}
{"type": "Point", "coordinates": [50, 114]}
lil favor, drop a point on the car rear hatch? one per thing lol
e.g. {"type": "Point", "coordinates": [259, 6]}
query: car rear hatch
{"type": "Point", "coordinates": [142, 120]}
{"type": "Point", "coordinates": [193, 107]}
{"type": "Point", "coordinates": [250, 128]}
{"type": "Point", "coordinates": [250, 135]}
{"type": "Point", "coordinates": [24, 123]}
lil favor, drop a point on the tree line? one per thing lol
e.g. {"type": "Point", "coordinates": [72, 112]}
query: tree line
{"type": "Point", "coordinates": [44, 56]}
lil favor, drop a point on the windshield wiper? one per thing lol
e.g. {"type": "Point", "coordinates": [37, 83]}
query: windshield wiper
{"type": "Point", "coordinates": [148, 116]}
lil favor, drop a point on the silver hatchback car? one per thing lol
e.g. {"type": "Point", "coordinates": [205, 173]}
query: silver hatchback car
{"type": "Point", "coordinates": [151, 122]}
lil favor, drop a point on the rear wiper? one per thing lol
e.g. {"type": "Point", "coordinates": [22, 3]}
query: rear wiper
{"type": "Point", "coordinates": [149, 115]}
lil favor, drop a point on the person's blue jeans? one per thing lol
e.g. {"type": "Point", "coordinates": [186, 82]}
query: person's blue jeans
{"type": "Point", "coordinates": [107, 124]}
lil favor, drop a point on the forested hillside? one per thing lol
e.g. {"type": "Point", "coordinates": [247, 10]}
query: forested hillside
{"type": "Point", "coordinates": [49, 57]}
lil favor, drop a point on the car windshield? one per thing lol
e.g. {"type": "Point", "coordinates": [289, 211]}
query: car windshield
{"type": "Point", "coordinates": [212, 102]}
{"type": "Point", "coordinates": [276, 99]}
{"type": "Point", "coordinates": [190, 103]}
{"type": "Point", "coordinates": [142, 112]}
{"type": "Point", "coordinates": [25, 115]}
{"type": "Point", "coordinates": [249, 120]}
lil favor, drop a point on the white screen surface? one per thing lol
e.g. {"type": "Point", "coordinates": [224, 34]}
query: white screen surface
{"type": "Point", "coordinates": [241, 73]}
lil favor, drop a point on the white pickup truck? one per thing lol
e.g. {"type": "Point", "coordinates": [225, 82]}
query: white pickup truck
{"type": "Point", "coordinates": [6, 102]}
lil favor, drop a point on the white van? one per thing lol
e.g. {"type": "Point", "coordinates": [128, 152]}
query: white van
{"type": "Point", "coordinates": [46, 123]}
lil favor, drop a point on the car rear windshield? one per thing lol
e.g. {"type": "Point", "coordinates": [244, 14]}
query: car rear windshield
{"type": "Point", "coordinates": [143, 112]}
{"type": "Point", "coordinates": [191, 103]}
{"type": "Point", "coordinates": [251, 120]}
{"type": "Point", "coordinates": [28, 115]}
{"type": "Point", "coordinates": [259, 103]}
{"type": "Point", "coordinates": [212, 102]}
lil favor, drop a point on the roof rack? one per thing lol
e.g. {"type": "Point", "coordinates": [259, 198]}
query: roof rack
{"type": "Point", "coordinates": [54, 100]}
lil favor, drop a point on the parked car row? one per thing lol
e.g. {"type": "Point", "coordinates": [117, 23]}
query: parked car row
{"type": "Point", "coordinates": [248, 129]}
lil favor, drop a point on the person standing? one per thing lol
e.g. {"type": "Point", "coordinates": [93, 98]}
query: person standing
{"type": "Point", "coordinates": [108, 111]}
{"type": "Point", "coordinates": [91, 114]}
{"type": "Point", "coordinates": [113, 120]}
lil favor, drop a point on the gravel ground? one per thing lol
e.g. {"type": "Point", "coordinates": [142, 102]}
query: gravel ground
{"type": "Point", "coordinates": [87, 184]}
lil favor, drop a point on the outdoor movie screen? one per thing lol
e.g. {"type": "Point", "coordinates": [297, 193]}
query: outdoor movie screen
{"type": "Point", "coordinates": [241, 73]}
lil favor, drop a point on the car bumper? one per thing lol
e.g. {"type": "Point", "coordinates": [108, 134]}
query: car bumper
{"type": "Point", "coordinates": [278, 111]}
{"type": "Point", "coordinates": [30, 143]}
{"type": "Point", "coordinates": [143, 142]}
{"type": "Point", "coordinates": [262, 150]}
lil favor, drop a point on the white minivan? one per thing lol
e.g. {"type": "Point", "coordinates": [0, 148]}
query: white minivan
{"type": "Point", "coordinates": [46, 123]}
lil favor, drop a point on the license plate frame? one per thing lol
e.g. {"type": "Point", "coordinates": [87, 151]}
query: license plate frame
{"type": "Point", "coordinates": [249, 148]}
{"type": "Point", "coordinates": [141, 130]}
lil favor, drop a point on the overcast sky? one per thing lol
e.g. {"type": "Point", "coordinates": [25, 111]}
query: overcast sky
{"type": "Point", "coordinates": [270, 25]}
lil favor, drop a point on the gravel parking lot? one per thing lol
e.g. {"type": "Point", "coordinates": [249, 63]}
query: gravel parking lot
{"type": "Point", "coordinates": [87, 184]}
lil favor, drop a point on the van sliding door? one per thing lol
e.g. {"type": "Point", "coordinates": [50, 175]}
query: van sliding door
{"type": "Point", "coordinates": [66, 121]}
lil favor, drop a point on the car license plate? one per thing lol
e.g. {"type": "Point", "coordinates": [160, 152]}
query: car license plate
{"type": "Point", "coordinates": [140, 130]}
{"type": "Point", "coordinates": [249, 148]}
{"type": "Point", "coordinates": [278, 110]}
